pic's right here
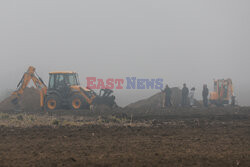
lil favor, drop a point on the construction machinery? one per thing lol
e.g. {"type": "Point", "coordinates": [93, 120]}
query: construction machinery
{"type": "Point", "coordinates": [63, 91]}
{"type": "Point", "coordinates": [223, 92]}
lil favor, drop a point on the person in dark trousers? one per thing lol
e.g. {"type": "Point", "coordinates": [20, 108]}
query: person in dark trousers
{"type": "Point", "coordinates": [168, 93]}
{"type": "Point", "coordinates": [205, 93]}
{"type": "Point", "coordinates": [185, 93]}
{"type": "Point", "coordinates": [233, 100]}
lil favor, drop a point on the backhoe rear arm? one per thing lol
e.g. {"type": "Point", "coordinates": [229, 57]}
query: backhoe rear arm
{"type": "Point", "coordinates": [39, 84]}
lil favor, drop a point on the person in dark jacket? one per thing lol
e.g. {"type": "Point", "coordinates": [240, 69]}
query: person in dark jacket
{"type": "Point", "coordinates": [185, 93]}
{"type": "Point", "coordinates": [205, 93]}
{"type": "Point", "coordinates": [168, 93]}
{"type": "Point", "coordinates": [233, 100]}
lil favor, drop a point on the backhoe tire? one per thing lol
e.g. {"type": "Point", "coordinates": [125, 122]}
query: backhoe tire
{"type": "Point", "coordinates": [52, 103]}
{"type": "Point", "coordinates": [77, 102]}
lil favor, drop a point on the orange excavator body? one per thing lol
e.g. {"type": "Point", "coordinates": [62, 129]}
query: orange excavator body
{"type": "Point", "coordinates": [223, 92]}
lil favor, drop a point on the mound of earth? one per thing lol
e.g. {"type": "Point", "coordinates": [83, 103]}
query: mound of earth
{"type": "Point", "coordinates": [29, 102]}
{"type": "Point", "coordinates": [156, 100]}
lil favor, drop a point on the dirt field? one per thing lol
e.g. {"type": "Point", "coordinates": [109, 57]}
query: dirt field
{"type": "Point", "coordinates": [182, 138]}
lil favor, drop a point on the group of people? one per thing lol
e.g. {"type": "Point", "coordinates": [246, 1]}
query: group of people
{"type": "Point", "coordinates": [187, 96]}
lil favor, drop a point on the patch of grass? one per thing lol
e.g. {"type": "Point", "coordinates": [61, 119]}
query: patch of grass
{"type": "Point", "coordinates": [19, 117]}
{"type": "Point", "coordinates": [32, 119]}
{"type": "Point", "coordinates": [117, 119]}
{"type": "Point", "coordinates": [55, 122]}
{"type": "Point", "coordinates": [5, 116]}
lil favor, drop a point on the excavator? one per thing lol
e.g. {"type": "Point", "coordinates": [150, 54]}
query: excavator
{"type": "Point", "coordinates": [223, 92]}
{"type": "Point", "coordinates": [63, 91]}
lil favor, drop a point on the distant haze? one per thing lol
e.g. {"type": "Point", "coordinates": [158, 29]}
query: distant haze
{"type": "Point", "coordinates": [181, 41]}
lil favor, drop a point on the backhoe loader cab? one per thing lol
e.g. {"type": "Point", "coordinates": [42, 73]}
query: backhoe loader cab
{"type": "Point", "coordinates": [64, 91]}
{"type": "Point", "coordinates": [59, 79]}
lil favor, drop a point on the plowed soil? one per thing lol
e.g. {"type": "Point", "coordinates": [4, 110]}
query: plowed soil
{"type": "Point", "coordinates": [184, 138]}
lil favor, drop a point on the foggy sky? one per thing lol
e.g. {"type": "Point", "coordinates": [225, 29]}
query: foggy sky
{"type": "Point", "coordinates": [181, 41]}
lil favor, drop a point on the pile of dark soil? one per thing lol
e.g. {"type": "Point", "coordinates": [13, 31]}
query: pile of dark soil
{"type": "Point", "coordinates": [28, 102]}
{"type": "Point", "coordinates": [156, 100]}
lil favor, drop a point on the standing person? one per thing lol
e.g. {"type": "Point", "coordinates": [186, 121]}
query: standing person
{"type": "Point", "coordinates": [233, 100]}
{"type": "Point", "coordinates": [191, 96]}
{"type": "Point", "coordinates": [168, 93]}
{"type": "Point", "coordinates": [185, 93]}
{"type": "Point", "coordinates": [205, 93]}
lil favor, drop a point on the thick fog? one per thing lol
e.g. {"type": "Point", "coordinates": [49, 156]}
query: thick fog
{"type": "Point", "coordinates": [180, 41]}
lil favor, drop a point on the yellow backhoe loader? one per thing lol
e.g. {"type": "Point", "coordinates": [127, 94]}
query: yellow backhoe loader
{"type": "Point", "coordinates": [63, 91]}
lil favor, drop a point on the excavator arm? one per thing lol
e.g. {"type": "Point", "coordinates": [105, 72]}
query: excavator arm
{"type": "Point", "coordinates": [29, 75]}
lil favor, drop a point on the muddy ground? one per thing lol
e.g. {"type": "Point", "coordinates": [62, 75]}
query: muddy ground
{"type": "Point", "coordinates": [183, 137]}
